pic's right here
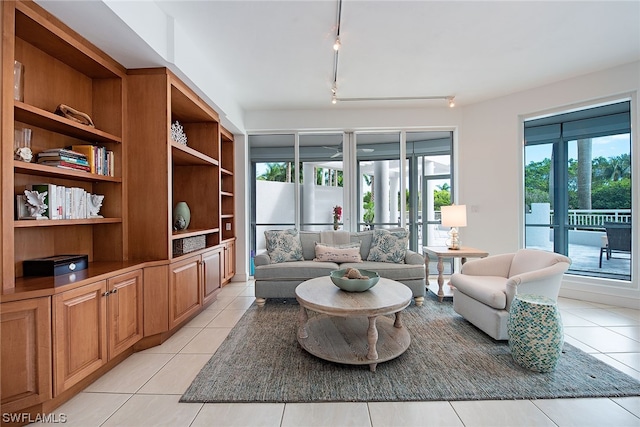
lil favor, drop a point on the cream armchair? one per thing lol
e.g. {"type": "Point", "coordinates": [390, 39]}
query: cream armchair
{"type": "Point", "coordinates": [484, 288]}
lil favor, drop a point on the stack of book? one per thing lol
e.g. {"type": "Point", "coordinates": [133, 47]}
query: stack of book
{"type": "Point", "coordinates": [64, 158]}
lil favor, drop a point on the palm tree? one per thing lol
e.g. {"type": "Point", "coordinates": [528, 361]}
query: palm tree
{"type": "Point", "coordinates": [584, 173]}
{"type": "Point", "coordinates": [275, 172]}
{"type": "Point", "coordinates": [621, 166]}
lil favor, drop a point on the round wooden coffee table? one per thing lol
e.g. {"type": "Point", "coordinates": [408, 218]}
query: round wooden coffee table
{"type": "Point", "coordinates": [348, 328]}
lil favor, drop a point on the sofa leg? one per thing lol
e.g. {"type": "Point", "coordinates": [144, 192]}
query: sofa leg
{"type": "Point", "coordinates": [260, 301]}
{"type": "Point", "coordinates": [419, 301]}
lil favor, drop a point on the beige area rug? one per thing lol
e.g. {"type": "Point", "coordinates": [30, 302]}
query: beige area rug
{"type": "Point", "coordinates": [448, 359]}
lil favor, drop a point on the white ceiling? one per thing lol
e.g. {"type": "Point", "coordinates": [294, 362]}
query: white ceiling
{"type": "Point", "coordinates": [279, 55]}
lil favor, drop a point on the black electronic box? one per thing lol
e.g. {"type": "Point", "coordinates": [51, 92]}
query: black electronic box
{"type": "Point", "coordinates": [55, 265]}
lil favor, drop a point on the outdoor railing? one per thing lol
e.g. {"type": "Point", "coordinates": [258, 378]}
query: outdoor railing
{"type": "Point", "coordinates": [590, 218]}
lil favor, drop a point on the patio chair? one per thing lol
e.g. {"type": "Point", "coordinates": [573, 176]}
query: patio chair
{"type": "Point", "coordinates": [618, 239]}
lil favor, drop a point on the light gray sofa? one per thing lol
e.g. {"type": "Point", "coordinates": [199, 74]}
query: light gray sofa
{"type": "Point", "coordinates": [280, 280]}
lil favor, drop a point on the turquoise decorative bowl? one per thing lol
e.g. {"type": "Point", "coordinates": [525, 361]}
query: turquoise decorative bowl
{"type": "Point", "coordinates": [354, 285]}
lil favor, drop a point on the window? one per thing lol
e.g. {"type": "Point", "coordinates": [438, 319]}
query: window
{"type": "Point", "coordinates": [577, 177]}
{"type": "Point", "coordinates": [322, 183]}
{"type": "Point", "coordinates": [272, 160]}
{"type": "Point", "coordinates": [379, 186]}
{"type": "Point", "coordinates": [361, 172]}
{"type": "Point", "coordinates": [430, 186]}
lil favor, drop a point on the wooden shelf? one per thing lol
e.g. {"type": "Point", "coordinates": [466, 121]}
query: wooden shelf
{"type": "Point", "coordinates": [27, 223]}
{"type": "Point", "coordinates": [60, 67]}
{"type": "Point", "coordinates": [184, 155]}
{"type": "Point", "coordinates": [48, 37]}
{"type": "Point", "coordinates": [44, 119]}
{"type": "Point", "coordinates": [226, 194]}
{"type": "Point", "coordinates": [191, 233]}
{"type": "Point", "coordinates": [54, 172]}
{"type": "Point", "coordinates": [226, 172]}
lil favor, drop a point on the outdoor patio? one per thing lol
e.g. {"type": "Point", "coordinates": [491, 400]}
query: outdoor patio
{"type": "Point", "coordinates": [585, 260]}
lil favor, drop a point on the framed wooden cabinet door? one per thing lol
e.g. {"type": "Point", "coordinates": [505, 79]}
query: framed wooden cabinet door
{"type": "Point", "coordinates": [185, 296]}
{"type": "Point", "coordinates": [229, 260]}
{"type": "Point", "coordinates": [124, 306]}
{"type": "Point", "coordinates": [79, 334]}
{"type": "Point", "coordinates": [25, 353]}
{"type": "Point", "coordinates": [211, 273]}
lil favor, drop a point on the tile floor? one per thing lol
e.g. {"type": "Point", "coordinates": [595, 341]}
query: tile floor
{"type": "Point", "coordinates": [144, 389]}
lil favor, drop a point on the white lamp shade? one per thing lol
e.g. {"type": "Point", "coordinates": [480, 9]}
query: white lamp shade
{"type": "Point", "coordinates": [454, 215]}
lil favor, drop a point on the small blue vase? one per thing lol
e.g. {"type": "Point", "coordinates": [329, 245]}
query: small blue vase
{"type": "Point", "coordinates": [181, 216]}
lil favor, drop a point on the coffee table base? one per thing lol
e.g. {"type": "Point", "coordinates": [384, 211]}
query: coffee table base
{"type": "Point", "coordinates": [346, 339]}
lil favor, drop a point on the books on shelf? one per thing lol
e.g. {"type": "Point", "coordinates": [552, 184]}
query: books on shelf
{"type": "Point", "coordinates": [65, 202]}
{"type": "Point", "coordinates": [100, 160]}
{"type": "Point", "coordinates": [87, 158]}
{"type": "Point", "coordinates": [65, 165]}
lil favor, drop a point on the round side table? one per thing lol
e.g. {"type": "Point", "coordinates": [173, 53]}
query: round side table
{"type": "Point", "coordinates": [535, 332]}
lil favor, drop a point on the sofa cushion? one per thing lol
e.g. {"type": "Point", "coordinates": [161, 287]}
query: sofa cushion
{"type": "Point", "coordinates": [489, 290]}
{"type": "Point", "coordinates": [338, 253]}
{"type": "Point", "coordinates": [389, 246]}
{"type": "Point", "coordinates": [283, 245]}
{"type": "Point", "coordinates": [308, 240]}
{"type": "Point", "coordinates": [301, 270]}
{"type": "Point", "coordinates": [399, 272]}
{"type": "Point", "coordinates": [364, 238]}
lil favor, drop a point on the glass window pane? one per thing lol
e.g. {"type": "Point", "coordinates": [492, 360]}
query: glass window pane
{"type": "Point", "coordinates": [272, 161]}
{"type": "Point", "coordinates": [578, 193]}
{"type": "Point", "coordinates": [322, 180]}
{"type": "Point", "coordinates": [599, 193]}
{"type": "Point", "coordinates": [378, 159]}
{"type": "Point", "coordinates": [429, 160]}
{"type": "Point", "coordinates": [538, 200]}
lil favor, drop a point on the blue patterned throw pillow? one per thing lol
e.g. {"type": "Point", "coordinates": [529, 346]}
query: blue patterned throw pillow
{"type": "Point", "coordinates": [283, 246]}
{"type": "Point", "coordinates": [389, 246]}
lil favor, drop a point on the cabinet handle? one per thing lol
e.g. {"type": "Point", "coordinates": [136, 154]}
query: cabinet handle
{"type": "Point", "coordinates": [114, 291]}
{"type": "Point", "coordinates": [106, 294]}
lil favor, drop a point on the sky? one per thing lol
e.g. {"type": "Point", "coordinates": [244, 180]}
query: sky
{"type": "Point", "coordinates": [606, 146]}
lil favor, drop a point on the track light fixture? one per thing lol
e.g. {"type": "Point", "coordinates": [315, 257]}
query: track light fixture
{"type": "Point", "coordinates": [334, 86]}
{"type": "Point", "coordinates": [449, 99]}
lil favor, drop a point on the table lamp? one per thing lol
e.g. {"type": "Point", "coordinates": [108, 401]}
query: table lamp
{"type": "Point", "coordinates": [454, 216]}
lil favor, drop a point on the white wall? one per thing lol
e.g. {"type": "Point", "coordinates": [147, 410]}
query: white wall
{"type": "Point", "coordinates": [490, 166]}
{"type": "Point", "coordinates": [489, 157]}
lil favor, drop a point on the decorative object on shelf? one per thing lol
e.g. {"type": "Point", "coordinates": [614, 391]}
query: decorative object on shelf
{"type": "Point", "coordinates": [35, 204]}
{"type": "Point", "coordinates": [177, 133]}
{"type": "Point", "coordinates": [18, 81]}
{"type": "Point", "coordinates": [24, 154]}
{"type": "Point", "coordinates": [74, 115]}
{"type": "Point", "coordinates": [22, 209]}
{"type": "Point", "coordinates": [22, 145]}
{"type": "Point", "coordinates": [337, 215]}
{"type": "Point", "coordinates": [188, 244]}
{"type": "Point", "coordinates": [181, 216]}
{"type": "Point", "coordinates": [454, 216]}
{"type": "Point", "coordinates": [94, 203]}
